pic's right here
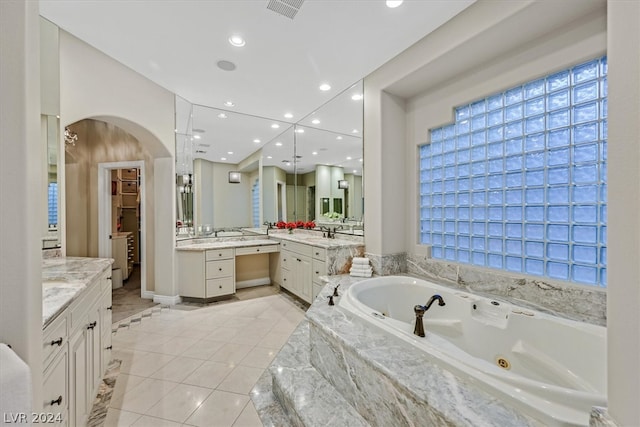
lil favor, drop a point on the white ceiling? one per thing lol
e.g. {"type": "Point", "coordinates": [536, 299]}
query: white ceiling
{"type": "Point", "coordinates": [177, 43]}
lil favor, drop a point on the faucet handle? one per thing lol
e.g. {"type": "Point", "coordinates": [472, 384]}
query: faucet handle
{"type": "Point", "coordinates": [331, 300]}
{"type": "Point", "coordinates": [335, 291]}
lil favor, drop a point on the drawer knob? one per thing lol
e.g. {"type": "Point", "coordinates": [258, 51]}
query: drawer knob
{"type": "Point", "coordinates": [219, 254]}
{"type": "Point", "coordinates": [58, 401]}
{"type": "Point", "coordinates": [257, 250]}
{"type": "Point", "coordinates": [317, 272]}
{"type": "Point", "coordinates": [220, 286]}
{"type": "Point", "coordinates": [58, 341]}
{"type": "Point", "coordinates": [220, 269]}
{"type": "Point", "coordinates": [92, 325]}
{"type": "Point", "coordinates": [108, 348]}
{"type": "Point", "coordinates": [317, 253]}
{"type": "Point", "coordinates": [110, 307]}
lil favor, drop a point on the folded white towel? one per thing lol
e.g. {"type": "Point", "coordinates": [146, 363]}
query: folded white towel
{"type": "Point", "coordinates": [354, 274]}
{"type": "Point", "coordinates": [360, 260]}
{"type": "Point", "coordinates": [361, 270]}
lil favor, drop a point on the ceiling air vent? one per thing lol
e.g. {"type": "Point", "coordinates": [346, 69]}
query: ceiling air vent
{"type": "Point", "coordinates": [287, 8]}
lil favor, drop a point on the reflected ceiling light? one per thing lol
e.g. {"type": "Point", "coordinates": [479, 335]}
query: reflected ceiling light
{"type": "Point", "coordinates": [300, 130]}
{"type": "Point", "coordinates": [288, 115]}
{"type": "Point", "coordinates": [325, 87]}
{"type": "Point", "coordinates": [360, 160]}
{"type": "Point", "coordinates": [315, 121]}
{"type": "Point", "coordinates": [229, 152]}
{"type": "Point", "coordinates": [348, 157]}
{"type": "Point", "coordinates": [237, 40]}
{"type": "Point", "coordinates": [288, 163]}
{"type": "Point", "coordinates": [196, 136]}
{"type": "Point", "coordinates": [278, 144]}
{"type": "Point", "coordinates": [315, 153]}
{"type": "Point", "coordinates": [269, 157]}
{"type": "Point", "coordinates": [355, 171]}
{"type": "Point", "coordinates": [229, 104]}
{"type": "Point", "coordinates": [222, 116]}
{"type": "Point", "coordinates": [257, 141]}
{"type": "Point", "coordinates": [357, 97]}
{"type": "Point", "coordinates": [394, 3]}
{"type": "Point", "coordinates": [338, 137]}
{"type": "Point", "coordinates": [275, 126]}
{"type": "Point", "coordinates": [175, 130]}
{"type": "Point", "coordinates": [223, 158]}
{"type": "Point", "coordinates": [355, 131]}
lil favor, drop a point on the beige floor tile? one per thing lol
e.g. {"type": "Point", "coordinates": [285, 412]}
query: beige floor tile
{"type": "Point", "coordinates": [274, 339]}
{"type": "Point", "coordinates": [209, 374]}
{"type": "Point", "coordinates": [147, 421]}
{"type": "Point", "coordinates": [231, 353]}
{"type": "Point", "coordinates": [248, 417]}
{"type": "Point", "coordinates": [141, 398]}
{"type": "Point", "coordinates": [143, 363]}
{"type": "Point", "coordinates": [203, 349]}
{"type": "Point", "coordinates": [221, 409]}
{"type": "Point", "coordinates": [178, 369]}
{"type": "Point", "coordinates": [249, 336]}
{"type": "Point", "coordinates": [241, 380]}
{"type": "Point", "coordinates": [175, 346]}
{"type": "Point", "coordinates": [259, 357]}
{"type": "Point", "coordinates": [225, 333]}
{"type": "Point", "coordinates": [124, 384]}
{"type": "Point", "coordinates": [239, 322]}
{"type": "Point", "coordinates": [118, 418]}
{"type": "Point", "coordinates": [179, 403]}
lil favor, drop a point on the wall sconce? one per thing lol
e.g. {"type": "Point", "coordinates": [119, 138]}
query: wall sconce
{"type": "Point", "coordinates": [234, 177]}
{"type": "Point", "coordinates": [343, 184]}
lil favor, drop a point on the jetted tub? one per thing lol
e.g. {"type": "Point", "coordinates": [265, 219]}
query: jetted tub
{"type": "Point", "coordinates": [550, 368]}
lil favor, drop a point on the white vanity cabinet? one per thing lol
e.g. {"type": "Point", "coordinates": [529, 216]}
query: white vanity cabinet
{"type": "Point", "coordinates": [207, 273]}
{"type": "Point", "coordinates": [301, 266]}
{"type": "Point", "coordinates": [77, 349]}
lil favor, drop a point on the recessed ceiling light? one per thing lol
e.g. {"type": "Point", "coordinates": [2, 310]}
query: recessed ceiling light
{"type": "Point", "coordinates": [355, 171]}
{"type": "Point", "coordinates": [237, 40]}
{"type": "Point", "coordinates": [315, 153]}
{"type": "Point", "coordinates": [196, 136]}
{"type": "Point", "coordinates": [275, 126]}
{"type": "Point", "coordinates": [394, 3]}
{"type": "Point", "coordinates": [229, 104]}
{"type": "Point", "coordinates": [338, 137]}
{"type": "Point", "coordinates": [348, 157]}
{"type": "Point", "coordinates": [288, 163]}
{"type": "Point", "coordinates": [357, 97]}
{"type": "Point", "coordinates": [222, 116]}
{"type": "Point", "coordinates": [300, 130]}
{"type": "Point", "coordinates": [355, 131]}
{"type": "Point", "coordinates": [226, 65]}
{"type": "Point", "coordinates": [360, 160]}
{"type": "Point", "coordinates": [325, 87]}
{"type": "Point", "coordinates": [288, 115]}
{"type": "Point", "coordinates": [278, 144]}
{"type": "Point", "coordinates": [269, 157]}
{"type": "Point", "coordinates": [229, 152]}
{"type": "Point", "coordinates": [175, 130]}
{"type": "Point", "coordinates": [315, 121]}
{"type": "Point", "coordinates": [257, 141]}
{"type": "Point", "coordinates": [223, 158]}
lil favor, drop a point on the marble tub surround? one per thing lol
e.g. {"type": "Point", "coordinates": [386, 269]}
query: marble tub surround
{"type": "Point", "coordinates": [600, 418]}
{"type": "Point", "coordinates": [64, 278]}
{"type": "Point", "coordinates": [51, 253]}
{"type": "Point", "coordinates": [386, 265]}
{"type": "Point", "coordinates": [389, 383]}
{"type": "Point", "coordinates": [582, 303]}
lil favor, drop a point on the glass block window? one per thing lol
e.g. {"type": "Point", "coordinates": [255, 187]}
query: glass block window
{"type": "Point", "coordinates": [52, 197]}
{"type": "Point", "coordinates": [518, 182]}
{"type": "Point", "coordinates": [255, 203]}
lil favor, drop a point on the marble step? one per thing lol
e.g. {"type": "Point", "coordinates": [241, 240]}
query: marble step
{"type": "Point", "coordinates": [306, 397]}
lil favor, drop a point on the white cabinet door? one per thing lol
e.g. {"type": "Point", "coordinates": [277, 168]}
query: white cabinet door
{"type": "Point", "coordinates": [304, 277]}
{"type": "Point", "coordinates": [78, 385]}
{"type": "Point", "coordinates": [55, 392]}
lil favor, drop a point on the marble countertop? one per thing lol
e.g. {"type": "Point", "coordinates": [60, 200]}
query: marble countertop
{"type": "Point", "coordinates": [120, 234]}
{"type": "Point", "coordinates": [223, 244]}
{"type": "Point", "coordinates": [315, 239]}
{"type": "Point", "coordinates": [64, 278]}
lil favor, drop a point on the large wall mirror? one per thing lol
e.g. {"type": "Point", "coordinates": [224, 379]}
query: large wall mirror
{"type": "Point", "coordinates": [238, 171]}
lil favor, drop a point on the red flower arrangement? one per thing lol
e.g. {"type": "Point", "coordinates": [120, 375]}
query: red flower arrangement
{"type": "Point", "coordinates": [310, 225]}
{"type": "Point", "coordinates": [298, 224]}
{"type": "Point", "coordinates": [281, 224]}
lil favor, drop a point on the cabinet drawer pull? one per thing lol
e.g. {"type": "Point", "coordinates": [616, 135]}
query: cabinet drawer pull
{"type": "Point", "coordinates": [317, 272]}
{"type": "Point", "coordinates": [92, 325]}
{"type": "Point", "coordinates": [220, 286]}
{"type": "Point", "coordinates": [58, 341]}
{"type": "Point", "coordinates": [299, 260]}
{"type": "Point", "coordinates": [220, 269]}
{"type": "Point", "coordinates": [219, 254]}
{"type": "Point", "coordinates": [110, 307]}
{"type": "Point", "coordinates": [257, 250]}
{"type": "Point", "coordinates": [317, 253]}
{"type": "Point", "coordinates": [108, 348]}
{"type": "Point", "coordinates": [58, 401]}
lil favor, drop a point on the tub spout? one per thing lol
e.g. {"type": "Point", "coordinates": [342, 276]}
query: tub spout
{"type": "Point", "coordinates": [420, 310]}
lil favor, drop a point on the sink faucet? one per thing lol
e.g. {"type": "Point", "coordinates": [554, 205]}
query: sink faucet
{"type": "Point", "coordinates": [326, 231]}
{"type": "Point", "coordinates": [421, 309]}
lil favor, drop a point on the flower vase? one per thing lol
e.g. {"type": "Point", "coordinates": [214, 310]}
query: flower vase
{"type": "Point", "coordinates": [291, 231]}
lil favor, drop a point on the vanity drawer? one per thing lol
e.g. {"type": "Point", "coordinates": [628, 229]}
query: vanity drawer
{"type": "Point", "coordinates": [217, 269]}
{"type": "Point", "coordinates": [54, 337]}
{"type": "Point", "coordinates": [218, 287]}
{"type": "Point", "coordinates": [252, 250]}
{"type": "Point", "coordinates": [319, 268]}
{"type": "Point", "coordinates": [319, 253]}
{"type": "Point", "coordinates": [317, 288]}
{"type": "Point", "coordinates": [298, 248]}
{"type": "Point", "coordinates": [55, 390]}
{"type": "Point", "coordinates": [129, 187]}
{"type": "Point", "coordinates": [80, 307]}
{"type": "Point", "coordinates": [215, 254]}
{"type": "Point", "coordinates": [130, 174]}
{"type": "Point", "coordinates": [286, 259]}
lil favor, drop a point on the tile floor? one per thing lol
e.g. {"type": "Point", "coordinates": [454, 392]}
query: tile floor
{"type": "Point", "coordinates": [196, 366]}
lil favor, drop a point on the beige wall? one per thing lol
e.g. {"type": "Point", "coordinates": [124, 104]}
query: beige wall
{"type": "Point", "coordinates": [270, 176]}
{"type": "Point", "coordinates": [100, 142]}
{"type": "Point", "coordinates": [232, 202]}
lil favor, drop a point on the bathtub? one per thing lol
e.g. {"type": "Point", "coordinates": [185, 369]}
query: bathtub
{"type": "Point", "coordinates": [549, 368]}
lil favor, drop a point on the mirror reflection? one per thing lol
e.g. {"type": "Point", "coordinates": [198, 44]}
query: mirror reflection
{"type": "Point", "coordinates": [245, 171]}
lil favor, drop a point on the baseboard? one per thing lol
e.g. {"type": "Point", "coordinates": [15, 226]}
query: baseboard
{"type": "Point", "coordinates": [253, 282]}
{"type": "Point", "coordinates": [147, 294]}
{"type": "Point", "coordinates": [167, 300]}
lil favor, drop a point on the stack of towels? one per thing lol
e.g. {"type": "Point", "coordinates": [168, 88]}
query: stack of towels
{"type": "Point", "coordinates": [360, 267]}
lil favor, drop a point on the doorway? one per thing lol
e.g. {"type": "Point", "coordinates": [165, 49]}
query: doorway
{"type": "Point", "coordinates": [121, 221]}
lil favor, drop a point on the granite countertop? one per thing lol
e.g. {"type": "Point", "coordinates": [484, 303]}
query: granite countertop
{"type": "Point", "coordinates": [120, 234]}
{"type": "Point", "coordinates": [63, 279]}
{"type": "Point", "coordinates": [315, 240]}
{"type": "Point", "coordinates": [223, 244]}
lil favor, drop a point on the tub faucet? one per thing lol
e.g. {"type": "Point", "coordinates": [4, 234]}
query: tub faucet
{"type": "Point", "coordinates": [420, 310]}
